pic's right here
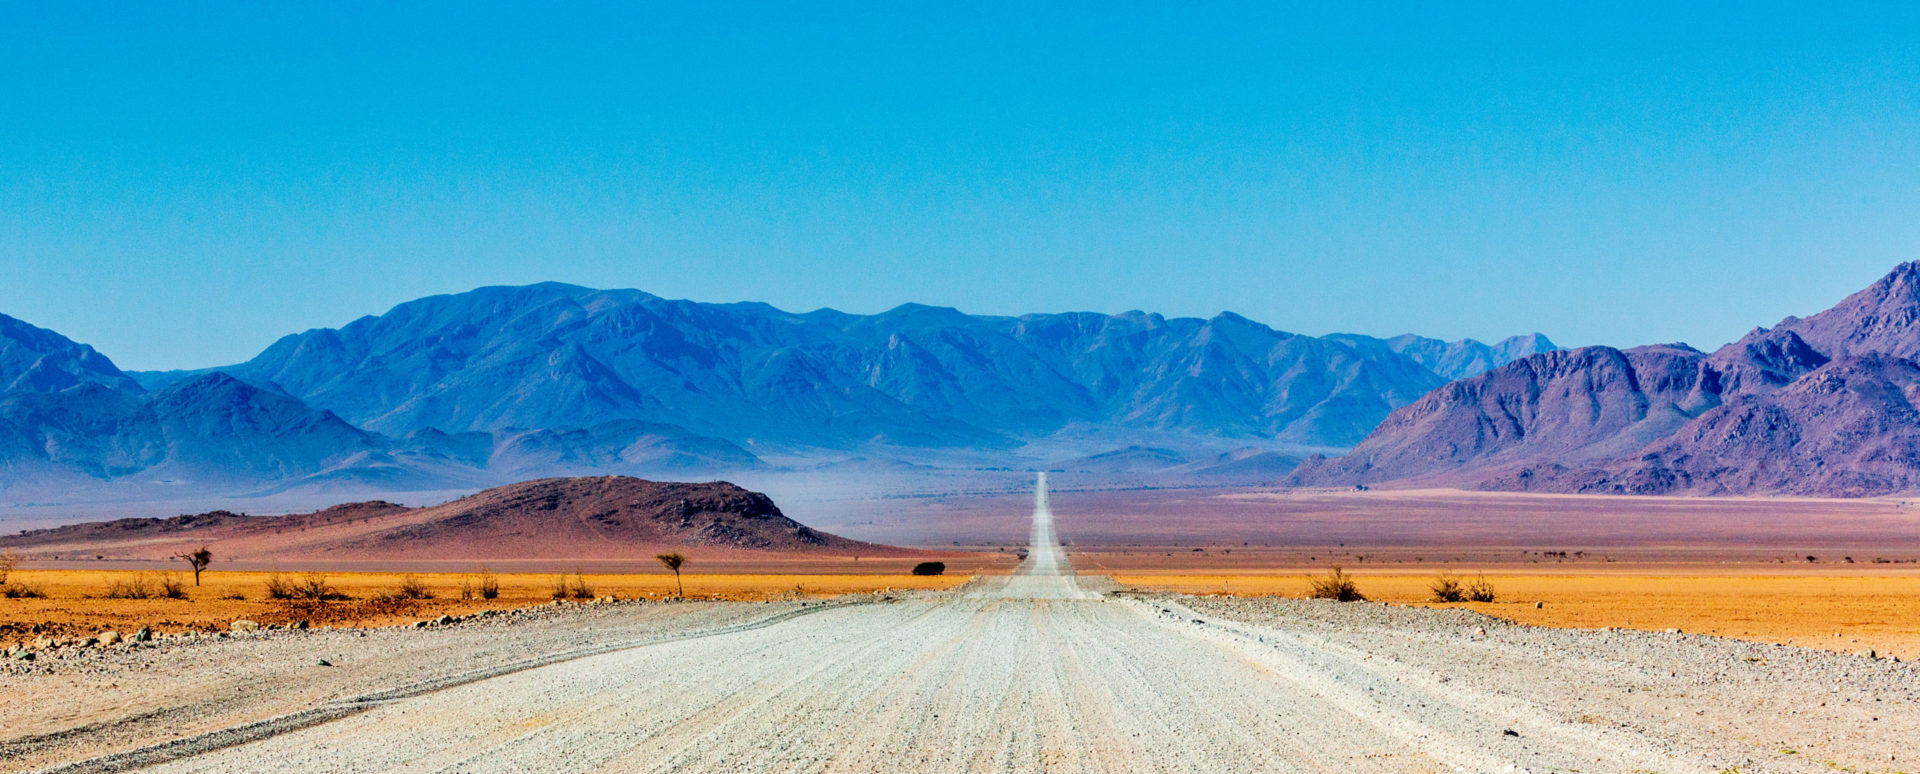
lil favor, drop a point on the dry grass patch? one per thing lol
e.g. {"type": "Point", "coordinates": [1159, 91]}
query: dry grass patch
{"type": "Point", "coordinates": [74, 603]}
{"type": "Point", "coordinates": [1880, 612]}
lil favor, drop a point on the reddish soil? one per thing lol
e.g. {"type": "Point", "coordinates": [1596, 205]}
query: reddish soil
{"type": "Point", "coordinates": [612, 519]}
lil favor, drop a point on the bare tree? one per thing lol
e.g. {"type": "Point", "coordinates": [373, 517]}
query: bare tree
{"type": "Point", "coordinates": [198, 559]}
{"type": "Point", "coordinates": [673, 562]}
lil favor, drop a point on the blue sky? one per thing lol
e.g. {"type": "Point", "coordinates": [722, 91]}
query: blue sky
{"type": "Point", "coordinates": [182, 183]}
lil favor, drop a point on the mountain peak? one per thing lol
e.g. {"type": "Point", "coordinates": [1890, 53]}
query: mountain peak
{"type": "Point", "coordinates": [1885, 317]}
{"type": "Point", "coordinates": [34, 359]}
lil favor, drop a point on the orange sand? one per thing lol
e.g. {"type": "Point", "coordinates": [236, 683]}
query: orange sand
{"type": "Point", "coordinates": [74, 605]}
{"type": "Point", "coordinates": [1879, 612]}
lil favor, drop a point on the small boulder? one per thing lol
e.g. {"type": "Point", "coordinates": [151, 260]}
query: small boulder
{"type": "Point", "coordinates": [443, 620]}
{"type": "Point", "coordinates": [244, 625]}
{"type": "Point", "coordinates": [23, 655]}
{"type": "Point", "coordinates": [144, 635]}
{"type": "Point", "coordinates": [324, 662]}
{"type": "Point", "coordinates": [301, 624]}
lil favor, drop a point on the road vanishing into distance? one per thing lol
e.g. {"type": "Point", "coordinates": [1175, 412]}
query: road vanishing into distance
{"type": "Point", "coordinates": [1036, 672]}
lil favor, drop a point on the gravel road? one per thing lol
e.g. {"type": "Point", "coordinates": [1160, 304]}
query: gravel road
{"type": "Point", "coordinates": [1048, 672]}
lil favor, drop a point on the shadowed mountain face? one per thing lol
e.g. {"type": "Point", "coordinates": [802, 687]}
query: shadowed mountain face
{"type": "Point", "coordinates": [1815, 406]}
{"type": "Point", "coordinates": [458, 391]}
{"type": "Point", "coordinates": [39, 360]}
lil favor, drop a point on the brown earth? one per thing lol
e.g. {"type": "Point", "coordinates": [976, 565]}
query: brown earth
{"type": "Point", "coordinates": [564, 519]}
{"type": "Point", "coordinates": [1254, 528]}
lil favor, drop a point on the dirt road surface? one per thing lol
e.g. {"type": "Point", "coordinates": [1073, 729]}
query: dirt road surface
{"type": "Point", "coordinates": [1048, 672]}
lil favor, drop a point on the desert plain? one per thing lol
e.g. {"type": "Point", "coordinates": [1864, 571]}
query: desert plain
{"type": "Point", "coordinates": [1627, 634]}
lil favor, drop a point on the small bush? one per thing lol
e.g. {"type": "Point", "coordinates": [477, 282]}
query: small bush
{"type": "Point", "coordinates": [489, 585]}
{"type": "Point", "coordinates": [930, 568]}
{"type": "Point", "coordinates": [279, 587]}
{"type": "Point", "coordinates": [8, 561]}
{"type": "Point", "coordinates": [1480, 589]}
{"type": "Point", "coordinates": [21, 591]}
{"type": "Point", "coordinates": [311, 587]}
{"type": "Point", "coordinates": [136, 587]}
{"type": "Point", "coordinates": [1446, 588]}
{"type": "Point", "coordinates": [466, 588]}
{"type": "Point", "coordinates": [1335, 585]}
{"type": "Point", "coordinates": [572, 588]}
{"type": "Point", "coordinates": [412, 587]}
{"type": "Point", "coordinates": [171, 587]}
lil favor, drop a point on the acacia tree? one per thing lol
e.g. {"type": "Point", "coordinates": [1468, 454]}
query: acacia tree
{"type": "Point", "coordinates": [198, 559]}
{"type": "Point", "coordinates": [673, 562]}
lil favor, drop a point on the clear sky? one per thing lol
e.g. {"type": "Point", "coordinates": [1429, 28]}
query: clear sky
{"type": "Point", "coordinates": [180, 184]}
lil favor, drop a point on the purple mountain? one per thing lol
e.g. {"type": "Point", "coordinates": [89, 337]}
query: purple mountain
{"type": "Point", "coordinates": [1818, 406]}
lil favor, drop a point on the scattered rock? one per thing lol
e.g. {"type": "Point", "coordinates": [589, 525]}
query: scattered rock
{"type": "Point", "coordinates": [144, 635]}
{"type": "Point", "coordinates": [1539, 605]}
{"type": "Point", "coordinates": [324, 662]}
{"type": "Point", "coordinates": [244, 625]}
{"type": "Point", "coordinates": [1510, 732]}
{"type": "Point", "coordinates": [301, 624]}
{"type": "Point", "coordinates": [443, 620]}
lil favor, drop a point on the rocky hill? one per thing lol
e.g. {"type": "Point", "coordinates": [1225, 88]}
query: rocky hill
{"type": "Point", "coordinates": [1818, 406]}
{"type": "Point", "coordinates": [609, 517]}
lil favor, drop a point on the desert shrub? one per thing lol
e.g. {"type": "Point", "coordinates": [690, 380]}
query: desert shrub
{"type": "Point", "coordinates": [279, 587]}
{"type": "Point", "coordinates": [1446, 588]}
{"type": "Point", "coordinates": [21, 591]}
{"type": "Point", "coordinates": [169, 586]}
{"type": "Point", "coordinates": [1480, 589]}
{"type": "Point", "coordinates": [466, 587]}
{"type": "Point", "coordinates": [930, 568]}
{"type": "Point", "coordinates": [136, 587]}
{"type": "Point", "coordinates": [575, 587]}
{"type": "Point", "coordinates": [412, 587]}
{"type": "Point", "coordinates": [1334, 585]}
{"type": "Point", "coordinates": [489, 586]}
{"type": "Point", "coordinates": [310, 587]}
{"type": "Point", "coordinates": [8, 561]}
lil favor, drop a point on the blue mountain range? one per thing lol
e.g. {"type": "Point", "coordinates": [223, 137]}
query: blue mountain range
{"type": "Point", "coordinates": [506, 382]}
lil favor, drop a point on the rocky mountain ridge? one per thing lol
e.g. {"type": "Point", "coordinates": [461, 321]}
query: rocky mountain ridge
{"type": "Point", "coordinates": [1823, 405]}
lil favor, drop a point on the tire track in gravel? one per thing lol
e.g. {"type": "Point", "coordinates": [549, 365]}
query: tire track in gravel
{"type": "Point", "coordinates": [200, 744]}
